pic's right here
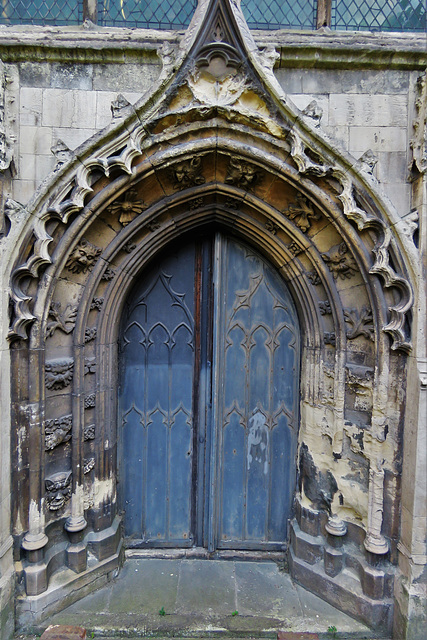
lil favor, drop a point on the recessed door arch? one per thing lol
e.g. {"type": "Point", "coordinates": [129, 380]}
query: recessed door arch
{"type": "Point", "coordinates": [208, 400]}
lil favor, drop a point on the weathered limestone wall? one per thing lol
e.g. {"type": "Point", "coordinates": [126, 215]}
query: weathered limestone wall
{"type": "Point", "coordinates": [66, 97]}
{"type": "Point", "coordinates": [363, 110]}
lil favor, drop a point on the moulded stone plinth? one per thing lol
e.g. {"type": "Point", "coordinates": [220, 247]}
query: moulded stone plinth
{"type": "Point", "coordinates": [334, 560]}
{"type": "Point", "coordinates": [34, 541]}
{"type": "Point", "coordinates": [305, 546]}
{"type": "Point", "coordinates": [373, 582]}
{"type": "Point", "coordinates": [377, 545]}
{"type": "Point", "coordinates": [336, 527]}
{"type": "Point", "coordinates": [35, 579]}
{"type": "Point", "coordinates": [77, 557]}
{"type": "Point", "coordinates": [75, 524]}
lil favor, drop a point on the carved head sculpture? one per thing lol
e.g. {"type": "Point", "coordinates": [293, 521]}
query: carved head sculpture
{"type": "Point", "coordinates": [58, 489]}
{"type": "Point", "coordinates": [59, 373]}
{"type": "Point", "coordinates": [83, 257]}
{"type": "Point", "coordinates": [187, 173]}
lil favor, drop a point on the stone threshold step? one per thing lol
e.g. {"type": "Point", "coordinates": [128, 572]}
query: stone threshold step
{"type": "Point", "coordinates": [217, 634]}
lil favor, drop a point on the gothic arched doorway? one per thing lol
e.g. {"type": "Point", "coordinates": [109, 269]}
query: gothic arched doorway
{"type": "Point", "coordinates": [209, 380]}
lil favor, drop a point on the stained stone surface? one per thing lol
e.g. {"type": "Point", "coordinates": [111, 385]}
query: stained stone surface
{"type": "Point", "coordinates": [202, 598]}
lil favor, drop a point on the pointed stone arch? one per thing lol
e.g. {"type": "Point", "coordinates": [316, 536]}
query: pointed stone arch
{"type": "Point", "coordinates": [217, 143]}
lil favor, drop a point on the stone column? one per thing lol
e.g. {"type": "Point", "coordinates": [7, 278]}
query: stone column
{"type": "Point", "coordinates": [35, 539]}
{"type": "Point", "coordinates": [76, 523]}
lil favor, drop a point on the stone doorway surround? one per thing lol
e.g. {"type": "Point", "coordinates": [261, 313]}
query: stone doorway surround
{"type": "Point", "coordinates": [216, 145]}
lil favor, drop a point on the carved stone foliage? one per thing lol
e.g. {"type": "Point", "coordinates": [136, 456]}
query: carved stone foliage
{"type": "Point", "coordinates": [90, 366]}
{"type": "Point", "coordinates": [58, 490]}
{"type": "Point", "coordinates": [89, 432]}
{"type": "Point", "coordinates": [83, 257]}
{"type": "Point", "coordinates": [301, 212]}
{"type": "Point", "coordinates": [97, 304]}
{"type": "Point", "coordinates": [329, 338]}
{"type": "Point", "coordinates": [153, 225]}
{"type": "Point", "coordinates": [88, 465]}
{"type": "Point", "coordinates": [187, 173]}
{"type": "Point", "coordinates": [271, 227]}
{"type": "Point", "coordinates": [89, 401]}
{"type": "Point", "coordinates": [128, 207]}
{"type": "Point", "coordinates": [232, 203]}
{"type": "Point", "coordinates": [196, 204]}
{"type": "Point", "coordinates": [64, 321]}
{"type": "Point", "coordinates": [108, 274]}
{"type": "Point", "coordinates": [325, 307]}
{"type": "Point", "coordinates": [225, 91]}
{"type": "Point", "coordinates": [361, 323]}
{"type": "Point", "coordinates": [57, 430]}
{"type": "Point", "coordinates": [242, 174]}
{"type": "Point", "coordinates": [59, 373]}
{"type": "Point", "coordinates": [340, 261]}
{"type": "Point", "coordinates": [90, 334]}
{"type": "Point", "coordinates": [314, 277]}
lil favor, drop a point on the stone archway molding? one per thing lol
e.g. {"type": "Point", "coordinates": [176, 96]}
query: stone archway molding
{"type": "Point", "coordinates": [217, 143]}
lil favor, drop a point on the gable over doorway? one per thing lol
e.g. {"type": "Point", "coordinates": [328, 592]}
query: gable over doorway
{"type": "Point", "coordinates": [209, 401]}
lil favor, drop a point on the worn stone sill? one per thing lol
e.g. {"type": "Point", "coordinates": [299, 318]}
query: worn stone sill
{"type": "Point", "coordinates": [319, 49]}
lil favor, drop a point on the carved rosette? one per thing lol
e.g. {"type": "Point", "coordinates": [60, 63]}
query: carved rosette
{"type": "Point", "coordinates": [128, 207]}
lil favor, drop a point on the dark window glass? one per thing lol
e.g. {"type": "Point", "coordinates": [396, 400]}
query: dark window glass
{"type": "Point", "coordinates": [379, 15]}
{"type": "Point", "coordinates": [41, 12]}
{"type": "Point", "coordinates": [280, 14]}
{"type": "Point", "coordinates": [153, 14]}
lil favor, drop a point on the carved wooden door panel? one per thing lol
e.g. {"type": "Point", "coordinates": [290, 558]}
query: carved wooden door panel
{"type": "Point", "coordinates": [209, 396]}
{"type": "Point", "coordinates": [255, 397]}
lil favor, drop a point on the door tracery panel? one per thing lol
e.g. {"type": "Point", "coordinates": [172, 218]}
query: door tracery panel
{"type": "Point", "coordinates": [209, 401]}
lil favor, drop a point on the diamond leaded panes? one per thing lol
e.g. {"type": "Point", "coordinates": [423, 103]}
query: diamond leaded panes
{"type": "Point", "coordinates": [41, 12]}
{"type": "Point", "coordinates": [379, 15]}
{"type": "Point", "coordinates": [280, 14]}
{"type": "Point", "coordinates": [154, 14]}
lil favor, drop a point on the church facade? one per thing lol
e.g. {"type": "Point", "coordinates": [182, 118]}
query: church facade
{"type": "Point", "coordinates": [213, 307]}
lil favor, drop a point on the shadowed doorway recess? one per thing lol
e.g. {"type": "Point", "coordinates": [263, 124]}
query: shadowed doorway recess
{"type": "Point", "coordinates": [209, 379]}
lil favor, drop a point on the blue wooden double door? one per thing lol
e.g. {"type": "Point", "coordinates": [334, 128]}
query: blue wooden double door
{"type": "Point", "coordinates": [208, 400]}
